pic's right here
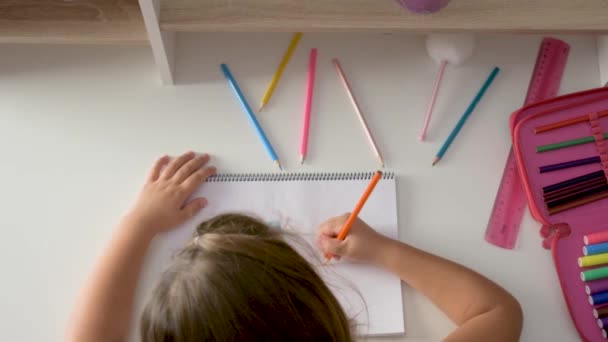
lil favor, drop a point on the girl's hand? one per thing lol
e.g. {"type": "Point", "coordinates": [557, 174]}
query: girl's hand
{"type": "Point", "coordinates": [361, 244]}
{"type": "Point", "coordinates": [162, 202]}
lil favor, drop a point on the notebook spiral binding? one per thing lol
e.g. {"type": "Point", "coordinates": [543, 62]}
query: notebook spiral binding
{"type": "Point", "coordinates": [289, 177]}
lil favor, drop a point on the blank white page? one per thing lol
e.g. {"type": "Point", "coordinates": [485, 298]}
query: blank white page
{"type": "Point", "coordinates": [370, 296]}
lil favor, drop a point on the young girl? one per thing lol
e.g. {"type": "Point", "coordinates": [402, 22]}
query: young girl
{"type": "Point", "coordinates": [239, 280]}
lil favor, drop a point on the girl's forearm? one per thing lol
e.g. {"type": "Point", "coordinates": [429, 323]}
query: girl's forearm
{"type": "Point", "coordinates": [466, 297]}
{"type": "Point", "coordinates": [104, 309]}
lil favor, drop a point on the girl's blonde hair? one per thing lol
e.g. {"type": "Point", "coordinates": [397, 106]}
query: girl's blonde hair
{"type": "Point", "coordinates": [238, 280]}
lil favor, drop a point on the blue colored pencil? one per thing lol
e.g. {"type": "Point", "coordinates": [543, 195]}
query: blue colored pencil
{"type": "Point", "coordinates": [249, 112]}
{"type": "Point", "coordinates": [465, 116]}
{"type": "Point", "coordinates": [598, 298]}
{"type": "Point", "coordinates": [597, 248]}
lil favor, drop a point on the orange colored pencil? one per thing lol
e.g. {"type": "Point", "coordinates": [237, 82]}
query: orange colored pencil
{"type": "Point", "coordinates": [568, 122]}
{"type": "Point", "coordinates": [353, 216]}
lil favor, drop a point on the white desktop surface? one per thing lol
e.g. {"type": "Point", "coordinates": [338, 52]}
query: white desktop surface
{"type": "Point", "coordinates": [80, 126]}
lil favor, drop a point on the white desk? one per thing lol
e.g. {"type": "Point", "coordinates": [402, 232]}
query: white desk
{"type": "Point", "coordinates": [80, 126]}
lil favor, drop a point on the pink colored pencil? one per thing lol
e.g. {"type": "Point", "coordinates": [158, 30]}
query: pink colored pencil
{"type": "Point", "coordinates": [312, 66]}
{"type": "Point", "coordinates": [598, 237]}
{"type": "Point", "coordinates": [429, 112]}
{"type": "Point", "coordinates": [355, 103]}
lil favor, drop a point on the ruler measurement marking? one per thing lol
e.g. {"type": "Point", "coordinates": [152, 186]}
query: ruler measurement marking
{"type": "Point", "coordinates": [510, 202]}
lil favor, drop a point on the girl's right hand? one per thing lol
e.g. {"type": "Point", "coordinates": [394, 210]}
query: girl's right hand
{"type": "Point", "coordinates": [362, 243]}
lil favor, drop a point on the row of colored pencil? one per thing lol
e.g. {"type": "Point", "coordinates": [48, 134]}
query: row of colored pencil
{"type": "Point", "coordinates": [595, 253]}
{"type": "Point", "coordinates": [575, 192]}
{"type": "Point", "coordinates": [580, 190]}
{"type": "Point", "coordinates": [565, 123]}
{"type": "Point", "coordinates": [307, 105]}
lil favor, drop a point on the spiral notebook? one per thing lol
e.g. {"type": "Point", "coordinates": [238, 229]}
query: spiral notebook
{"type": "Point", "coordinates": [299, 203]}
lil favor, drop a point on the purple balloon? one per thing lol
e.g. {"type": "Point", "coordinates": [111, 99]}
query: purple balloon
{"type": "Point", "coordinates": [423, 6]}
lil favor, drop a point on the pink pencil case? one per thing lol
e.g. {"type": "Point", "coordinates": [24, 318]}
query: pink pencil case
{"type": "Point", "coordinates": [563, 232]}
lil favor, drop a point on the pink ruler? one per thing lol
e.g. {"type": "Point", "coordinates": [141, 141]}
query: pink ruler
{"type": "Point", "coordinates": [510, 202]}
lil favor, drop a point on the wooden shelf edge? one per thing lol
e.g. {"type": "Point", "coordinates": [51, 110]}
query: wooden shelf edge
{"type": "Point", "coordinates": [514, 16]}
{"type": "Point", "coordinates": [311, 28]}
{"type": "Point", "coordinates": [72, 22]}
{"type": "Point", "coordinates": [72, 33]}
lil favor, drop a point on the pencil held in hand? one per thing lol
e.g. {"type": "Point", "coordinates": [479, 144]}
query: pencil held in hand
{"type": "Point", "coordinates": [353, 216]}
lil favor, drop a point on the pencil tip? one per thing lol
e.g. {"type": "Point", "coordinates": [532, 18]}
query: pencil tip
{"type": "Point", "coordinates": [261, 107]}
{"type": "Point", "coordinates": [381, 161]}
{"type": "Point", "coordinates": [279, 164]}
{"type": "Point", "coordinates": [301, 159]}
{"type": "Point", "coordinates": [436, 160]}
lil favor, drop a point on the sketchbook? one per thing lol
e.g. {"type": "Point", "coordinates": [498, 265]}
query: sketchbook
{"type": "Point", "coordinates": [298, 203]}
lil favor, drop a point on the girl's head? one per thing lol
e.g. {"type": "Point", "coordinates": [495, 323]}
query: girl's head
{"type": "Point", "coordinates": [239, 280]}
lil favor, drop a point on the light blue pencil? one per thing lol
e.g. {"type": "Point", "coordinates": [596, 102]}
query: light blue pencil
{"type": "Point", "coordinates": [249, 112]}
{"type": "Point", "coordinates": [465, 116]}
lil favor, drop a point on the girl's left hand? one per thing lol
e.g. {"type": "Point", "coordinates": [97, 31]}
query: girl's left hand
{"type": "Point", "coordinates": [162, 205]}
